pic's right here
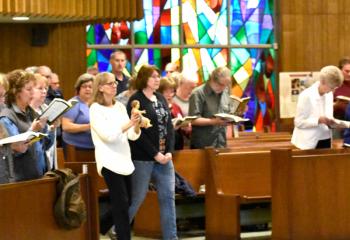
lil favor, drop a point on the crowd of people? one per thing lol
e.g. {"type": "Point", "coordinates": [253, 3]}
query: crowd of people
{"type": "Point", "coordinates": [104, 120]}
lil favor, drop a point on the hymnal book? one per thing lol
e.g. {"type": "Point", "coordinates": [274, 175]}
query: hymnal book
{"type": "Point", "coordinates": [343, 98]}
{"type": "Point", "coordinates": [183, 121]}
{"type": "Point", "coordinates": [28, 137]}
{"type": "Point", "coordinates": [239, 105]}
{"type": "Point", "coordinates": [231, 118]}
{"type": "Point", "coordinates": [340, 124]}
{"type": "Point", "coordinates": [56, 108]}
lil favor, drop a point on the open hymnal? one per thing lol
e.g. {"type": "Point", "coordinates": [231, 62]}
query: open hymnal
{"type": "Point", "coordinates": [239, 105]}
{"type": "Point", "coordinates": [231, 118]}
{"type": "Point", "coordinates": [27, 137]}
{"type": "Point", "coordinates": [183, 121]}
{"type": "Point", "coordinates": [340, 124]}
{"type": "Point", "coordinates": [56, 108]}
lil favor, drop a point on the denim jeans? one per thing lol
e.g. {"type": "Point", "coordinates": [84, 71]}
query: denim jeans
{"type": "Point", "coordinates": [163, 177]}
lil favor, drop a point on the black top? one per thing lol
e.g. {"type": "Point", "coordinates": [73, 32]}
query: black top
{"type": "Point", "coordinates": [52, 94]}
{"type": "Point", "coordinates": [146, 147]}
{"type": "Point", "coordinates": [122, 84]}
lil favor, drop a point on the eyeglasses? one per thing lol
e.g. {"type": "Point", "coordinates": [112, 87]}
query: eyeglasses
{"type": "Point", "coordinates": [111, 84]}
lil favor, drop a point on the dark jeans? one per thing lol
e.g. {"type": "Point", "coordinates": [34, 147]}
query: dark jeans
{"type": "Point", "coordinates": [119, 190]}
{"type": "Point", "coordinates": [325, 143]}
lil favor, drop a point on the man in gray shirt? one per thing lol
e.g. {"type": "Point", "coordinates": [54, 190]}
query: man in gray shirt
{"type": "Point", "coordinates": [206, 100]}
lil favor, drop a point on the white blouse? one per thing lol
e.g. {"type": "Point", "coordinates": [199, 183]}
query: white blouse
{"type": "Point", "coordinates": [311, 106]}
{"type": "Point", "coordinates": [112, 149]}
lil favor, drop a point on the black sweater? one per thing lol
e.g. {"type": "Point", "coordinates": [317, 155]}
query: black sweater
{"type": "Point", "coordinates": [146, 147]}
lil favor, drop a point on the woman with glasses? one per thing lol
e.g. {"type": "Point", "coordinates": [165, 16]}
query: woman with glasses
{"type": "Point", "coordinates": [76, 122]}
{"type": "Point", "coordinates": [152, 152]}
{"type": "Point", "coordinates": [38, 105]}
{"type": "Point", "coordinates": [111, 128]}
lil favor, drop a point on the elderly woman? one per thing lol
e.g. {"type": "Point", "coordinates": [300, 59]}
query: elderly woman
{"type": "Point", "coordinates": [314, 113]}
{"type": "Point", "coordinates": [38, 105]}
{"type": "Point", "coordinates": [76, 122]}
{"type": "Point", "coordinates": [18, 117]}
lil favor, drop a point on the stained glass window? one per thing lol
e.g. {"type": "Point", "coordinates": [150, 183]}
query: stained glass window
{"type": "Point", "coordinates": [200, 35]}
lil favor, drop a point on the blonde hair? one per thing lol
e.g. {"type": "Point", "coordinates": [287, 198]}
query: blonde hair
{"type": "Point", "coordinates": [40, 78]}
{"type": "Point", "coordinates": [331, 75]}
{"type": "Point", "coordinates": [97, 95]}
{"type": "Point", "coordinates": [3, 82]}
{"type": "Point", "coordinates": [166, 83]}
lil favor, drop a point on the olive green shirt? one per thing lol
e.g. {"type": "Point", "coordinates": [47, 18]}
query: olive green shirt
{"type": "Point", "coordinates": [204, 102]}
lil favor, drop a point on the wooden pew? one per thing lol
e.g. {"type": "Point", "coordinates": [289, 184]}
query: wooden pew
{"type": "Point", "coordinates": [76, 155]}
{"type": "Point", "coordinates": [27, 211]}
{"type": "Point", "coordinates": [310, 194]}
{"type": "Point", "coordinates": [234, 178]}
{"type": "Point", "coordinates": [190, 164]}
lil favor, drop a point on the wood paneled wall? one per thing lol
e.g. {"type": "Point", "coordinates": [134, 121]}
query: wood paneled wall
{"type": "Point", "coordinates": [75, 10]}
{"type": "Point", "coordinates": [65, 52]}
{"type": "Point", "coordinates": [313, 33]}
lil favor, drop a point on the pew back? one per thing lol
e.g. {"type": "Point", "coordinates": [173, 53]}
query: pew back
{"type": "Point", "coordinates": [310, 196]}
{"type": "Point", "coordinates": [242, 173]}
{"type": "Point", "coordinates": [27, 211]}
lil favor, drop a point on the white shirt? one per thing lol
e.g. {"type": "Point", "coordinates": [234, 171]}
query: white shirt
{"type": "Point", "coordinates": [112, 149]}
{"type": "Point", "coordinates": [311, 106]}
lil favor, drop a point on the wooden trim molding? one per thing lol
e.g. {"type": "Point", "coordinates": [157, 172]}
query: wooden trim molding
{"type": "Point", "coordinates": [90, 11]}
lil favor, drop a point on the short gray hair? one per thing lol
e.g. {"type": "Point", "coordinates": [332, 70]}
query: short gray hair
{"type": "Point", "coordinates": [331, 75]}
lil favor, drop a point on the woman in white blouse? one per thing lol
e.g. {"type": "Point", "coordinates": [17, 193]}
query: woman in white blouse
{"type": "Point", "coordinates": [110, 129]}
{"type": "Point", "coordinates": [314, 113]}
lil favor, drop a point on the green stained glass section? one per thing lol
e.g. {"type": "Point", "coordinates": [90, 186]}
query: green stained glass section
{"type": "Point", "coordinates": [204, 22]}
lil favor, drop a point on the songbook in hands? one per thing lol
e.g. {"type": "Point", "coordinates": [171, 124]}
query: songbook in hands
{"type": "Point", "coordinates": [56, 109]}
{"type": "Point", "coordinates": [26, 137]}
{"type": "Point", "coordinates": [231, 118]}
{"type": "Point", "coordinates": [183, 121]}
{"type": "Point", "coordinates": [339, 124]}
{"type": "Point", "coordinates": [239, 105]}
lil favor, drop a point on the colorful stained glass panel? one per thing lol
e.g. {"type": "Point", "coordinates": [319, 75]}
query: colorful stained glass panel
{"type": "Point", "coordinates": [252, 22]}
{"type": "Point", "coordinates": [160, 24]}
{"type": "Point", "coordinates": [204, 22]}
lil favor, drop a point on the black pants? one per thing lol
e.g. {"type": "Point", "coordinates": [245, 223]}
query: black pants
{"type": "Point", "coordinates": [325, 143]}
{"type": "Point", "coordinates": [119, 192]}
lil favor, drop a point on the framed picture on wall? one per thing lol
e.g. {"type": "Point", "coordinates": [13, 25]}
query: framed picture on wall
{"type": "Point", "coordinates": [291, 84]}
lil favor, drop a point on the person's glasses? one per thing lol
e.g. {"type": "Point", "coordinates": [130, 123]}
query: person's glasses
{"type": "Point", "coordinates": [111, 84]}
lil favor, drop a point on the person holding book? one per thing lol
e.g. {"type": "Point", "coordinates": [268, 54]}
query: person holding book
{"type": "Point", "coordinates": [18, 117]}
{"type": "Point", "coordinates": [314, 113]}
{"type": "Point", "coordinates": [111, 128]}
{"type": "Point", "coordinates": [76, 121]}
{"type": "Point", "coordinates": [152, 152]}
{"type": "Point", "coordinates": [186, 82]}
{"type": "Point", "coordinates": [45, 162]}
{"type": "Point", "coordinates": [344, 89]}
{"type": "Point", "coordinates": [167, 88]}
{"type": "Point", "coordinates": [209, 99]}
